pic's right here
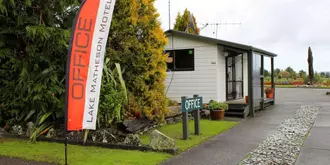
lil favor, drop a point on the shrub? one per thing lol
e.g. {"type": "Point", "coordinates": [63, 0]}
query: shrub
{"type": "Point", "coordinates": [172, 102]}
{"type": "Point", "coordinates": [136, 43]}
{"type": "Point", "coordinates": [113, 97]}
{"type": "Point", "coordinates": [33, 47]}
{"type": "Point", "coordinates": [214, 105]}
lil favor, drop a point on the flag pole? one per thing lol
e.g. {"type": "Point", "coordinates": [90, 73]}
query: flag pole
{"type": "Point", "coordinates": [66, 148]}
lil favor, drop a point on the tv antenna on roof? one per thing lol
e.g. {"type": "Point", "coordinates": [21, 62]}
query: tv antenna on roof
{"type": "Point", "coordinates": [217, 26]}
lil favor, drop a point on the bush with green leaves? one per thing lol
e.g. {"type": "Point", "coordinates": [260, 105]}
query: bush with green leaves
{"type": "Point", "coordinates": [137, 43]}
{"type": "Point", "coordinates": [215, 105]}
{"type": "Point", "coordinates": [34, 41]}
{"type": "Point", "coordinates": [113, 97]}
{"type": "Point", "coordinates": [34, 37]}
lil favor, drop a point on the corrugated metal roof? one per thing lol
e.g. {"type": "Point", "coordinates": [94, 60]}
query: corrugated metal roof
{"type": "Point", "coordinates": [221, 42]}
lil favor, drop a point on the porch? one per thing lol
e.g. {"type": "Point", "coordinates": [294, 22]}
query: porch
{"type": "Point", "coordinates": [245, 74]}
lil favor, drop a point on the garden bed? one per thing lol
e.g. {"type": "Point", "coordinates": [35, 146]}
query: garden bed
{"type": "Point", "coordinates": [93, 144]}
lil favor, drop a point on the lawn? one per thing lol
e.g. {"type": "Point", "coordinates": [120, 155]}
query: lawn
{"type": "Point", "coordinates": [80, 155]}
{"type": "Point", "coordinates": [77, 155]}
{"type": "Point", "coordinates": [207, 129]}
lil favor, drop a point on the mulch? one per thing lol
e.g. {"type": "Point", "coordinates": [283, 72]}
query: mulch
{"type": "Point", "coordinates": [16, 161]}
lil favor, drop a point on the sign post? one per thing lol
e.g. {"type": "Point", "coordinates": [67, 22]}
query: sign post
{"type": "Point", "coordinates": [189, 105]}
{"type": "Point", "coordinates": [184, 120]}
{"type": "Point", "coordinates": [197, 118]}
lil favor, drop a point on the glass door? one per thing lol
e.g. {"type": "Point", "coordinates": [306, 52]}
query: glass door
{"type": "Point", "coordinates": [234, 78]}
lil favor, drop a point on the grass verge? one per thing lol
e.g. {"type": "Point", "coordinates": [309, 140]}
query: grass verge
{"type": "Point", "coordinates": [80, 155]}
{"type": "Point", "coordinates": [77, 155]}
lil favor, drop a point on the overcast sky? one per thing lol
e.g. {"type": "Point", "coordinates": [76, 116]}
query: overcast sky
{"type": "Point", "coordinates": [285, 27]}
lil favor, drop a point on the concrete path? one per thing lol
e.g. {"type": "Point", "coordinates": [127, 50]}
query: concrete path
{"type": "Point", "coordinates": [316, 149]}
{"type": "Point", "coordinates": [231, 146]}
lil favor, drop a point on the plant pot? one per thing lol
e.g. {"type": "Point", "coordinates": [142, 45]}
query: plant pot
{"type": "Point", "coordinates": [246, 99]}
{"type": "Point", "coordinates": [217, 114]}
{"type": "Point", "coordinates": [270, 95]}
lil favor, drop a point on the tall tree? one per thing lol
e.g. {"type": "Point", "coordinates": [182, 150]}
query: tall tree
{"type": "Point", "coordinates": [137, 42]}
{"type": "Point", "coordinates": [186, 22]}
{"type": "Point", "coordinates": [310, 65]}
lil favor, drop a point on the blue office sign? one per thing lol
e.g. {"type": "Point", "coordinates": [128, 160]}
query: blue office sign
{"type": "Point", "coordinates": [191, 104]}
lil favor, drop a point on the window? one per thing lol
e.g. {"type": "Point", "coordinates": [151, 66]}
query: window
{"type": "Point", "coordinates": [181, 60]}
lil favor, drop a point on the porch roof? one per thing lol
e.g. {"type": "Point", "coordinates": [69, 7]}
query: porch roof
{"type": "Point", "coordinates": [221, 42]}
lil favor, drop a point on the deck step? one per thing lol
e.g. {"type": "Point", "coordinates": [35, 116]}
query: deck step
{"type": "Point", "coordinates": [235, 110]}
{"type": "Point", "coordinates": [236, 106]}
{"type": "Point", "coordinates": [228, 113]}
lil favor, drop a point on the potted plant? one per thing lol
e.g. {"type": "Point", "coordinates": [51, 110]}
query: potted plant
{"type": "Point", "coordinates": [269, 92]}
{"type": "Point", "coordinates": [217, 110]}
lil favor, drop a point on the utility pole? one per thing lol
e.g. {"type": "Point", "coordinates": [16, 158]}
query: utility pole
{"type": "Point", "coordinates": [169, 14]}
{"type": "Point", "coordinates": [217, 26]}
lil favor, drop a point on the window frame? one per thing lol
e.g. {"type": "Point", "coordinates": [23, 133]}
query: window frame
{"type": "Point", "coordinates": [174, 59]}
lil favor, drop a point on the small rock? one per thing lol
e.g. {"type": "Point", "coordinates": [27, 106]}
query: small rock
{"type": "Point", "coordinates": [17, 129]}
{"type": "Point", "coordinates": [30, 128]}
{"type": "Point", "coordinates": [178, 119]}
{"type": "Point", "coordinates": [135, 126]}
{"type": "Point", "coordinates": [160, 141]}
{"type": "Point", "coordinates": [205, 114]}
{"type": "Point", "coordinates": [76, 135]}
{"type": "Point", "coordinates": [51, 133]}
{"type": "Point", "coordinates": [169, 121]}
{"type": "Point", "coordinates": [93, 138]}
{"type": "Point", "coordinates": [132, 139]}
{"type": "Point", "coordinates": [174, 111]}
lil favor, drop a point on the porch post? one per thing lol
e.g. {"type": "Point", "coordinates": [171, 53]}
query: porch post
{"type": "Point", "coordinates": [273, 78]}
{"type": "Point", "coordinates": [250, 83]}
{"type": "Point", "coordinates": [262, 80]}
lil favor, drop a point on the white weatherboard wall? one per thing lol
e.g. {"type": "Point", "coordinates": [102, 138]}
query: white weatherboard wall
{"type": "Point", "coordinates": [203, 80]}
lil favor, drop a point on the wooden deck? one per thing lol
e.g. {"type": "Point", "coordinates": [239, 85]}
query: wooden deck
{"type": "Point", "coordinates": [242, 101]}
